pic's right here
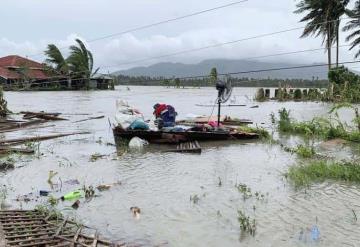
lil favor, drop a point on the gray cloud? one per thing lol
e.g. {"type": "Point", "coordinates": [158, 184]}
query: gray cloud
{"type": "Point", "coordinates": [36, 23]}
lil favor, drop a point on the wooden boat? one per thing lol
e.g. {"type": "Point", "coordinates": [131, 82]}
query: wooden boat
{"type": "Point", "coordinates": [176, 137]}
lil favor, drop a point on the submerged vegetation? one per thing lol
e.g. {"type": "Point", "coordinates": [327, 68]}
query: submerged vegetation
{"type": "Point", "coordinates": [247, 224]}
{"type": "Point", "coordinates": [302, 151]}
{"type": "Point", "coordinates": [330, 128]}
{"type": "Point", "coordinates": [4, 111]}
{"type": "Point", "coordinates": [320, 170]}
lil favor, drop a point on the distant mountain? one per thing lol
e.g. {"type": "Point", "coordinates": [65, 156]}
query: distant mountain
{"type": "Point", "coordinates": [227, 66]}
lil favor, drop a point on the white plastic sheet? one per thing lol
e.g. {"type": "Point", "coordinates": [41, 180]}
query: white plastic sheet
{"type": "Point", "coordinates": [125, 114]}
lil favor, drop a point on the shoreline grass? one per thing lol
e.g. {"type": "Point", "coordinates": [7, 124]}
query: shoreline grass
{"type": "Point", "coordinates": [321, 170]}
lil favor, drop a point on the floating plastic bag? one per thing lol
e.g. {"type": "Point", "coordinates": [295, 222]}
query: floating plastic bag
{"type": "Point", "coordinates": [137, 143]}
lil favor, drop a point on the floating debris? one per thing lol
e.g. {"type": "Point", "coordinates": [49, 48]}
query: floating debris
{"type": "Point", "coordinates": [90, 118]}
{"type": "Point", "coordinates": [136, 212]}
{"type": "Point", "coordinates": [76, 204]}
{"type": "Point", "coordinates": [186, 147]}
{"type": "Point", "coordinates": [103, 187]}
{"type": "Point", "coordinates": [43, 228]}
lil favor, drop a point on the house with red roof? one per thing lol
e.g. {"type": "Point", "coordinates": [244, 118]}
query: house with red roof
{"type": "Point", "coordinates": [20, 72]}
{"type": "Point", "coordinates": [16, 69]}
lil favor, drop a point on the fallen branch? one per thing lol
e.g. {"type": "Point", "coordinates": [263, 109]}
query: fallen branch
{"type": "Point", "coordinates": [90, 118]}
{"type": "Point", "coordinates": [43, 115]}
{"type": "Point", "coordinates": [31, 128]}
{"type": "Point", "coordinates": [18, 141]}
{"type": "Point", "coordinates": [6, 150]}
{"type": "Point", "coordinates": [21, 125]}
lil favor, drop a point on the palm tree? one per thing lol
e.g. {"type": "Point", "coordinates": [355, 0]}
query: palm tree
{"type": "Point", "coordinates": [323, 19]}
{"type": "Point", "coordinates": [81, 62]}
{"type": "Point", "coordinates": [56, 60]}
{"type": "Point", "coordinates": [339, 11]}
{"type": "Point", "coordinates": [354, 24]}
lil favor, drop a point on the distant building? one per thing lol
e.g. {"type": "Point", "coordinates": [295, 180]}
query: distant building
{"type": "Point", "coordinates": [101, 81]}
{"type": "Point", "coordinates": [19, 70]}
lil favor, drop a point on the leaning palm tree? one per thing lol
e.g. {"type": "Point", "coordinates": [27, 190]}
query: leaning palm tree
{"type": "Point", "coordinates": [56, 60]}
{"type": "Point", "coordinates": [338, 12]}
{"type": "Point", "coordinates": [354, 24]}
{"type": "Point", "coordinates": [323, 19]}
{"type": "Point", "coordinates": [81, 62]}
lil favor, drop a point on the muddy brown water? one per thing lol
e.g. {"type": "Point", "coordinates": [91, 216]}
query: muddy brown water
{"type": "Point", "coordinates": [161, 184]}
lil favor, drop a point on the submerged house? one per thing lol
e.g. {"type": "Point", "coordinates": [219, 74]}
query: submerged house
{"type": "Point", "coordinates": [101, 81]}
{"type": "Point", "coordinates": [20, 71]}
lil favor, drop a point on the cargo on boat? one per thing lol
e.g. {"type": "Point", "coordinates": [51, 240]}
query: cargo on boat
{"type": "Point", "coordinates": [224, 120]}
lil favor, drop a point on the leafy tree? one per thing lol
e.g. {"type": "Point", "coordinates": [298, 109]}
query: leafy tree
{"type": "Point", "coordinates": [341, 75]}
{"type": "Point", "coordinates": [213, 76]}
{"type": "Point", "coordinates": [177, 82]}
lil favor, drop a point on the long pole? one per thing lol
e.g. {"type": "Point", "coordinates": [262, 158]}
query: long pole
{"type": "Point", "coordinates": [219, 106]}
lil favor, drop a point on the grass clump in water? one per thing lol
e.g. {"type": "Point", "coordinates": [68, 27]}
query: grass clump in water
{"type": "Point", "coordinates": [320, 170]}
{"type": "Point", "coordinates": [302, 151]}
{"type": "Point", "coordinates": [318, 127]}
{"type": "Point", "coordinates": [246, 224]}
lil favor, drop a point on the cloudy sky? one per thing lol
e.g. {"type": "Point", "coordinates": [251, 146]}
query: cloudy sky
{"type": "Point", "coordinates": [27, 26]}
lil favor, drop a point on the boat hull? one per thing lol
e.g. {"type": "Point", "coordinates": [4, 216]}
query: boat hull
{"type": "Point", "coordinates": [177, 137]}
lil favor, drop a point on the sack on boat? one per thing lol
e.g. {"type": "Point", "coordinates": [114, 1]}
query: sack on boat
{"type": "Point", "coordinates": [139, 124]}
{"type": "Point", "coordinates": [137, 142]}
{"type": "Point", "coordinates": [125, 114]}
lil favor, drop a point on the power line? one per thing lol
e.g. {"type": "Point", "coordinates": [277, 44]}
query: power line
{"type": "Point", "coordinates": [219, 44]}
{"type": "Point", "coordinates": [157, 23]}
{"type": "Point", "coordinates": [246, 58]}
{"type": "Point", "coordinates": [167, 21]}
{"type": "Point", "coordinates": [233, 73]}
{"type": "Point", "coordinates": [225, 43]}
{"type": "Point", "coordinates": [256, 57]}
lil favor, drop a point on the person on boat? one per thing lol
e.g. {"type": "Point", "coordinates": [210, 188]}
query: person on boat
{"type": "Point", "coordinates": [165, 115]}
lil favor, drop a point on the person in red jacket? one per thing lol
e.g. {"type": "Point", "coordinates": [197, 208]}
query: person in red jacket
{"type": "Point", "coordinates": [165, 115]}
{"type": "Point", "coordinates": [158, 109]}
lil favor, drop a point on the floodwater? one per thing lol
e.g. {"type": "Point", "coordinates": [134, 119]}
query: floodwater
{"type": "Point", "coordinates": [161, 184]}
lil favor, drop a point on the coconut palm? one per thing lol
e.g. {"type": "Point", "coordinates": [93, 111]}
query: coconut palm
{"type": "Point", "coordinates": [354, 24]}
{"type": "Point", "coordinates": [56, 60]}
{"type": "Point", "coordinates": [78, 66]}
{"type": "Point", "coordinates": [81, 61]}
{"type": "Point", "coordinates": [323, 19]}
{"type": "Point", "coordinates": [338, 12]}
